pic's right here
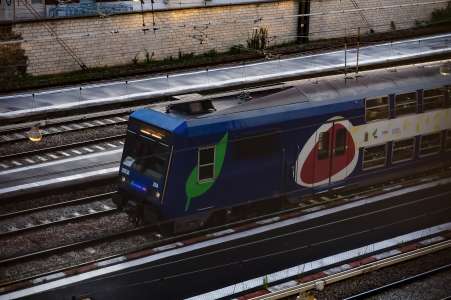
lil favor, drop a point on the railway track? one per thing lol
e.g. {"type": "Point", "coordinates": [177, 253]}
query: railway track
{"type": "Point", "coordinates": [399, 283]}
{"type": "Point", "coordinates": [62, 125]}
{"type": "Point", "coordinates": [31, 222]}
{"type": "Point", "coordinates": [47, 154]}
{"type": "Point", "coordinates": [155, 237]}
{"type": "Point", "coordinates": [319, 284]}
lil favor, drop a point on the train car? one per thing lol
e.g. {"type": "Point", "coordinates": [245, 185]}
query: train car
{"type": "Point", "coordinates": [191, 159]}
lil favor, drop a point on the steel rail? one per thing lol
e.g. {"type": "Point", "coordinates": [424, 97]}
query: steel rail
{"type": "Point", "coordinates": [55, 205]}
{"type": "Point", "coordinates": [61, 147]}
{"type": "Point", "coordinates": [303, 287]}
{"type": "Point", "coordinates": [8, 129]}
{"type": "Point", "coordinates": [399, 283]}
{"type": "Point", "coordinates": [23, 131]}
{"type": "Point", "coordinates": [57, 222]}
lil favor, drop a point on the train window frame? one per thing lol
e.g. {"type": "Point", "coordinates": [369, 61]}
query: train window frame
{"type": "Point", "coordinates": [376, 166]}
{"type": "Point", "coordinates": [342, 150]}
{"type": "Point", "coordinates": [396, 111]}
{"type": "Point", "coordinates": [209, 164]}
{"type": "Point", "coordinates": [447, 89]}
{"type": "Point", "coordinates": [447, 143]}
{"type": "Point", "coordinates": [412, 146]}
{"type": "Point", "coordinates": [443, 103]}
{"type": "Point", "coordinates": [369, 109]}
{"type": "Point", "coordinates": [439, 145]}
{"type": "Point", "coordinates": [323, 154]}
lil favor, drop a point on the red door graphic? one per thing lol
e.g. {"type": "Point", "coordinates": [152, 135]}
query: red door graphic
{"type": "Point", "coordinates": [332, 157]}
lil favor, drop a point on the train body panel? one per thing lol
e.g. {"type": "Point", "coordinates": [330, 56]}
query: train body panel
{"type": "Point", "coordinates": [296, 141]}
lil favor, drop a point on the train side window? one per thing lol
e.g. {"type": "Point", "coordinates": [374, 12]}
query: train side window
{"type": "Point", "coordinates": [206, 163]}
{"type": "Point", "coordinates": [448, 140]}
{"type": "Point", "coordinates": [403, 150]}
{"type": "Point", "coordinates": [448, 99]}
{"type": "Point", "coordinates": [405, 104]}
{"type": "Point", "coordinates": [430, 144]}
{"type": "Point", "coordinates": [376, 109]}
{"type": "Point", "coordinates": [323, 145]}
{"type": "Point", "coordinates": [433, 99]}
{"type": "Point", "coordinates": [340, 142]}
{"type": "Point", "coordinates": [374, 157]}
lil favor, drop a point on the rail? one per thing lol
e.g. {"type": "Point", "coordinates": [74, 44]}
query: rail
{"type": "Point", "coordinates": [303, 287]}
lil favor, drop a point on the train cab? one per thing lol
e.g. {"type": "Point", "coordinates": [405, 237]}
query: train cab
{"type": "Point", "coordinates": [145, 163]}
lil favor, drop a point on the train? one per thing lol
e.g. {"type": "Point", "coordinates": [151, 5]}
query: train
{"type": "Point", "coordinates": [204, 157]}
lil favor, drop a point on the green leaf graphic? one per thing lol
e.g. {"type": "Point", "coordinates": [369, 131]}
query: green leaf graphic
{"type": "Point", "coordinates": [193, 188]}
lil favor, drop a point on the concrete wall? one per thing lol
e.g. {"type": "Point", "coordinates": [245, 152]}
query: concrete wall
{"type": "Point", "coordinates": [118, 39]}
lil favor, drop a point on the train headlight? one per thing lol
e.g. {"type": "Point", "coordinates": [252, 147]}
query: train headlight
{"type": "Point", "coordinates": [123, 179]}
{"type": "Point", "coordinates": [157, 194]}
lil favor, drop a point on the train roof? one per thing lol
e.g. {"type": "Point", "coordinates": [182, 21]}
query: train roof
{"type": "Point", "coordinates": [293, 100]}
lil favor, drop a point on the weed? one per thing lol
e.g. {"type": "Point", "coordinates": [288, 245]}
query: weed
{"type": "Point", "coordinates": [392, 25]}
{"type": "Point", "coordinates": [149, 56]}
{"type": "Point", "coordinates": [211, 53]}
{"type": "Point", "coordinates": [258, 39]}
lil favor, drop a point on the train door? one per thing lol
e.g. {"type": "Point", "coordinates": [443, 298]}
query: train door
{"type": "Point", "coordinates": [335, 151]}
{"type": "Point", "coordinates": [327, 157]}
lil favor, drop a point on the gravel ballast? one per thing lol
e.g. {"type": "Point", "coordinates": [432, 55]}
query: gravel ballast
{"type": "Point", "coordinates": [387, 275]}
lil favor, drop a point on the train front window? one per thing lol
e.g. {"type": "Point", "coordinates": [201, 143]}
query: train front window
{"type": "Point", "coordinates": [150, 157]}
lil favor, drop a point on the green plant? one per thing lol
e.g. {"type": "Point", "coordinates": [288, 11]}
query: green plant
{"type": "Point", "coordinates": [442, 14]}
{"type": "Point", "coordinates": [259, 39]}
{"type": "Point", "coordinates": [149, 56]}
{"type": "Point", "coordinates": [211, 53]}
{"type": "Point", "coordinates": [135, 59]}
{"type": "Point", "coordinates": [236, 49]}
{"type": "Point", "coordinates": [419, 24]}
{"type": "Point", "coordinates": [265, 282]}
{"type": "Point", "coordinates": [392, 25]}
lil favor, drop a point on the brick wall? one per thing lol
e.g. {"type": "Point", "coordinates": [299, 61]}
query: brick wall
{"type": "Point", "coordinates": [379, 20]}
{"type": "Point", "coordinates": [117, 40]}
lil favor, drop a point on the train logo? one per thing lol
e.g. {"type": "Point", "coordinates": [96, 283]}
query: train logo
{"type": "Point", "coordinates": [328, 156]}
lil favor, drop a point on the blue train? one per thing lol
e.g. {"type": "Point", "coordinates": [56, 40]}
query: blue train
{"type": "Point", "coordinates": [192, 159]}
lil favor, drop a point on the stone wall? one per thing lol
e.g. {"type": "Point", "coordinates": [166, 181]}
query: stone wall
{"type": "Point", "coordinates": [116, 40]}
{"type": "Point", "coordinates": [332, 25]}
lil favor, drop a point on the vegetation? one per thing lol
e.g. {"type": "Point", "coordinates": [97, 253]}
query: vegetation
{"type": "Point", "coordinates": [15, 77]}
{"type": "Point", "coordinates": [14, 61]}
{"type": "Point", "coordinates": [259, 39]}
{"type": "Point", "coordinates": [20, 80]}
{"type": "Point", "coordinates": [442, 15]}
